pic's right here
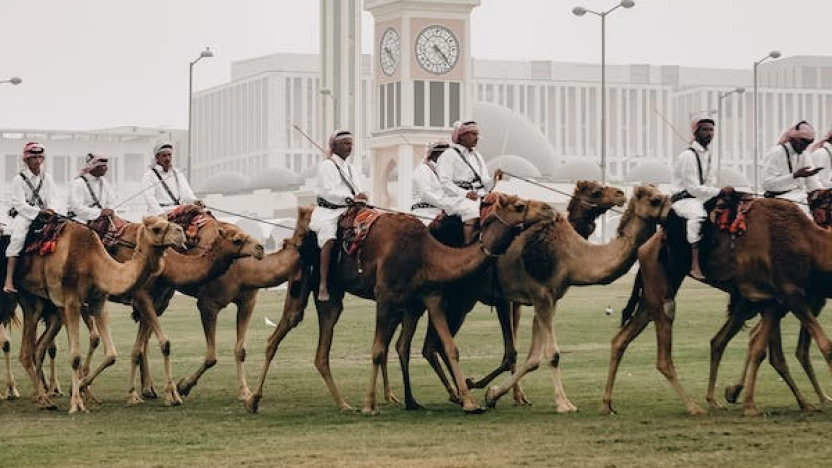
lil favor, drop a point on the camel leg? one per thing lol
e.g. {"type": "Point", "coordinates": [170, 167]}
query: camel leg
{"type": "Point", "coordinates": [808, 320]}
{"type": "Point", "coordinates": [136, 356]}
{"type": "Point", "coordinates": [11, 392]}
{"type": "Point", "coordinates": [535, 355]}
{"type": "Point", "coordinates": [440, 322]}
{"type": "Point", "coordinates": [802, 352]}
{"type": "Point", "coordinates": [631, 330]}
{"type": "Point", "coordinates": [72, 322]}
{"type": "Point", "coordinates": [729, 329]}
{"type": "Point", "coordinates": [385, 328]}
{"type": "Point", "coordinates": [778, 362]}
{"type": "Point", "coordinates": [148, 314]}
{"type": "Point", "coordinates": [733, 392]}
{"type": "Point", "coordinates": [95, 340]}
{"type": "Point", "coordinates": [431, 351]}
{"type": "Point", "coordinates": [664, 362]}
{"type": "Point", "coordinates": [403, 347]}
{"type": "Point", "coordinates": [102, 324]}
{"type": "Point", "coordinates": [46, 344]}
{"type": "Point", "coordinates": [208, 316]}
{"type": "Point", "coordinates": [508, 314]}
{"type": "Point", "coordinates": [244, 312]}
{"type": "Point", "coordinates": [32, 311]}
{"type": "Point", "coordinates": [757, 352]}
{"type": "Point", "coordinates": [328, 314]}
{"type": "Point", "coordinates": [293, 310]}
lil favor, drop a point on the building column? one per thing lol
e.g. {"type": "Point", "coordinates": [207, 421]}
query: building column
{"type": "Point", "coordinates": [405, 173]}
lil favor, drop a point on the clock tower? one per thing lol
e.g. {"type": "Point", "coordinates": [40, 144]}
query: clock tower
{"type": "Point", "coordinates": [422, 71]}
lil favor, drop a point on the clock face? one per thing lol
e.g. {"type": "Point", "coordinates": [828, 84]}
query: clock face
{"type": "Point", "coordinates": [437, 49]}
{"type": "Point", "coordinates": [390, 53]}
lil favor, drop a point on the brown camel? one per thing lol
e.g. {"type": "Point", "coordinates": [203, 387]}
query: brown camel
{"type": "Point", "coordinates": [402, 267]}
{"type": "Point", "coordinates": [589, 200]}
{"type": "Point", "coordinates": [240, 285]}
{"type": "Point", "coordinates": [545, 261]}
{"type": "Point", "coordinates": [217, 245]}
{"type": "Point", "coordinates": [779, 264]}
{"type": "Point", "coordinates": [8, 319]}
{"type": "Point", "coordinates": [78, 272]}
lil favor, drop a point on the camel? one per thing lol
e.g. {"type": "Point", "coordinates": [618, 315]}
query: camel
{"type": "Point", "coordinates": [402, 267]}
{"type": "Point", "coordinates": [768, 269]}
{"type": "Point", "coordinates": [217, 246]}
{"type": "Point", "coordinates": [240, 285]}
{"type": "Point", "coordinates": [590, 199]}
{"type": "Point", "coordinates": [544, 261]}
{"type": "Point", "coordinates": [8, 319]}
{"type": "Point", "coordinates": [78, 272]}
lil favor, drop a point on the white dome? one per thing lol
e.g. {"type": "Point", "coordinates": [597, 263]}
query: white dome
{"type": "Point", "coordinates": [279, 179]}
{"type": "Point", "coordinates": [649, 172]}
{"type": "Point", "coordinates": [578, 169]}
{"type": "Point", "coordinates": [224, 183]}
{"type": "Point", "coordinates": [310, 172]}
{"type": "Point", "coordinates": [516, 165]}
{"type": "Point", "coordinates": [503, 131]}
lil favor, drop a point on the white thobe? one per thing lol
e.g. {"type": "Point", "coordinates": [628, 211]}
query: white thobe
{"type": "Point", "coordinates": [27, 207]}
{"type": "Point", "coordinates": [779, 165]}
{"type": "Point", "coordinates": [686, 177]}
{"type": "Point", "coordinates": [427, 189]}
{"type": "Point", "coordinates": [454, 172]}
{"type": "Point", "coordinates": [336, 184]}
{"type": "Point", "coordinates": [157, 199]}
{"type": "Point", "coordinates": [81, 201]}
{"type": "Point", "coordinates": [823, 158]}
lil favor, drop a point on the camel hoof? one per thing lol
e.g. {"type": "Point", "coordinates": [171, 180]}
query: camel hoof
{"type": "Point", "coordinates": [369, 411]}
{"type": "Point", "coordinates": [11, 393]}
{"type": "Point", "coordinates": [607, 410]}
{"type": "Point", "coordinates": [183, 389]}
{"type": "Point", "coordinates": [566, 407]}
{"type": "Point", "coordinates": [347, 409]}
{"type": "Point", "coordinates": [715, 405]}
{"type": "Point", "coordinates": [825, 400]}
{"type": "Point", "coordinates": [472, 384]}
{"type": "Point", "coordinates": [732, 393]}
{"type": "Point", "coordinates": [55, 391]}
{"type": "Point", "coordinates": [413, 405]}
{"type": "Point", "coordinates": [521, 400]}
{"type": "Point", "coordinates": [475, 410]}
{"type": "Point", "coordinates": [133, 399]}
{"type": "Point", "coordinates": [454, 398]}
{"type": "Point", "coordinates": [490, 397]}
{"type": "Point", "coordinates": [150, 393]}
{"type": "Point", "coordinates": [252, 404]}
{"type": "Point", "coordinates": [695, 410]}
{"type": "Point", "coordinates": [809, 409]}
{"type": "Point", "coordinates": [752, 411]}
{"type": "Point", "coordinates": [391, 399]}
{"type": "Point", "coordinates": [45, 403]}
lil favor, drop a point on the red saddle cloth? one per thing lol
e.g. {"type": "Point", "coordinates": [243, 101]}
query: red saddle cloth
{"type": "Point", "coordinates": [355, 225]}
{"type": "Point", "coordinates": [43, 234]}
{"type": "Point", "coordinates": [820, 204]}
{"type": "Point", "coordinates": [729, 212]}
{"type": "Point", "coordinates": [191, 218]}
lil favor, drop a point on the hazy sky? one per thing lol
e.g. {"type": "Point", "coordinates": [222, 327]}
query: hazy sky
{"type": "Point", "coordinates": [99, 63]}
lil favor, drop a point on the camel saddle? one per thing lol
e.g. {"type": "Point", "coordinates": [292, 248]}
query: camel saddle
{"type": "Point", "coordinates": [727, 211]}
{"type": "Point", "coordinates": [191, 218]}
{"type": "Point", "coordinates": [820, 204]}
{"type": "Point", "coordinates": [354, 226]}
{"type": "Point", "coordinates": [447, 229]}
{"type": "Point", "coordinates": [43, 234]}
{"type": "Point", "coordinates": [108, 229]}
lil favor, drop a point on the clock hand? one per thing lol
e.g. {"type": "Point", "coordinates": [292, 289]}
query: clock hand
{"type": "Point", "coordinates": [389, 53]}
{"type": "Point", "coordinates": [444, 57]}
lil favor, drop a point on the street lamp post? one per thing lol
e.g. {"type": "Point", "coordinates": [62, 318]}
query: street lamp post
{"type": "Point", "coordinates": [774, 54]}
{"type": "Point", "coordinates": [207, 53]}
{"type": "Point", "coordinates": [722, 95]}
{"type": "Point", "coordinates": [581, 11]}
{"type": "Point", "coordinates": [15, 80]}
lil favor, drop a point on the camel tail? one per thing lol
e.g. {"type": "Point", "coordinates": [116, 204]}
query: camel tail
{"type": "Point", "coordinates": [635, 298]}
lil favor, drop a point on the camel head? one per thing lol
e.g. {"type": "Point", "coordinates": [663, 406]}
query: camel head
{"type": "Point", "coordinates": [592, 194]}
{"type": "Point", "coordinates": [158, 232]}
{"type": "Point", "coordinates": [243, 244]}
{"type": "Point", "coordinates": [505, 216]}
{"type": "Point", "coordinates": [649, 203]}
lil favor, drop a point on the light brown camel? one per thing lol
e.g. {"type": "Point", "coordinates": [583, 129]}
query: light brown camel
{"type": "Point", "coordinates": [78, 272]}
{"type": "Point", "coordinates": [217, 245]}
{"type": "Point", "coordinates": [403, 268]}
{"type": "Point", "coordinates": [781, 263]}
{"type": "Point", "coordinates": [589, 200]}
{"type": "Point", "coordinates": [240, 285]}
{"type": "Point", "coordinates": [545, 261]}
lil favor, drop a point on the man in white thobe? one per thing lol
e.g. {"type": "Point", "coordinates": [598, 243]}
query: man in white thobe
{"type": "Point", "coordinates": [428, 194]}
{"type": "Point", "coordinates": [91, 196]}
{"type": "Point", "coordinates": [788, 172]}
{"type": "Point", "coordinates": [165, 187]}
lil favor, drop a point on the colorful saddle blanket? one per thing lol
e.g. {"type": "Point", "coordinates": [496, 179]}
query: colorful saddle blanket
{"type": "Point", "coordinates": [729, 209]}
{"type": "Point", "coordinates": [43, 234]}
{"type": "Point", "coordinates": [191, 218]}
{"type": "Point", "coordinates": [820, 204]}
{"type": "Point", "coordinates": [354, 226]}
{"type": "Point", "coordinates": [109, 229]}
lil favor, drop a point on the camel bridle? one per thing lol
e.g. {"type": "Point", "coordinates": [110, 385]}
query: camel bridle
{"type": "Point", "coordinates": [523, 225]}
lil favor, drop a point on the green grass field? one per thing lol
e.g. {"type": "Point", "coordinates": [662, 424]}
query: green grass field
{"type": "Point", "coordinates": [298, 423]}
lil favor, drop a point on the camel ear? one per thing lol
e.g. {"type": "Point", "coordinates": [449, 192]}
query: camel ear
{"type": "Point", "coordinates": [639, 191]}
{"type": "Point", "coordinates": [147, 219]}
{"type": "Point", "coordinates": [582, 184]}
